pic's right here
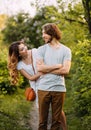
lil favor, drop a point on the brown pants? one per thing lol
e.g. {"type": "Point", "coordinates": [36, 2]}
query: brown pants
{"type": "Point", "coordinates": [58, 117]}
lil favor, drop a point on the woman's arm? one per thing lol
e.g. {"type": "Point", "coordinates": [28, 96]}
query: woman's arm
{"type": "Point", "coordinates": [30, 77]}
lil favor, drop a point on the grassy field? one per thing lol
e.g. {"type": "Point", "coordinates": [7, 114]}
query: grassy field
{"type": "Point", "coordinates": [14, 112]}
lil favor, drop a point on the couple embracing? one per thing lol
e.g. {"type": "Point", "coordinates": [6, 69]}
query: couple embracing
{"type": "Point", "coordinates": [52, 62]}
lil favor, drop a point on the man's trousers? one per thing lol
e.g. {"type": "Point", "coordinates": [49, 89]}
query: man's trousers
{"type": "Point", "coordinates": [56, 99]}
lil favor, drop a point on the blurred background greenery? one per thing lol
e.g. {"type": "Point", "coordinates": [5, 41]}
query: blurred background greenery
{"type": "Point", "coordinates": [75, 24]}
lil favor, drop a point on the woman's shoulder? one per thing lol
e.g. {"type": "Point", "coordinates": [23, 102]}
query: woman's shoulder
{"type": "Point", "coordinates": [19, 65]}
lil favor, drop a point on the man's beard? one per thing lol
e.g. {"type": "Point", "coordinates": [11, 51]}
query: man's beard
{"type": "Point", "coordinates": [49, 40]}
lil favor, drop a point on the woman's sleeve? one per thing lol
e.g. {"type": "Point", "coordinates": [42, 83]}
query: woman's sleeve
{"type": "Point", "coordinates": [19, 66]}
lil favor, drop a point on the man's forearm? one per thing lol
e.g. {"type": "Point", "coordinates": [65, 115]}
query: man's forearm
{"type": "Point", "coordinates": [64, 70]}
{"type": "Point", "coordinates": [47, 68]}
{"type": "Point", "coordinates": [61, 71]}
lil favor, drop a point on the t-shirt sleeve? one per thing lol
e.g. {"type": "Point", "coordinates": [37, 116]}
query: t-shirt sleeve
{"type": "Point", "coordinates": [68, 55]}
{"type": "Point", "coordinates": [41, 52]}
{"type": "Point", "coordinates": [34, 56]}
{"type": "Point", "coordinates": [19, 66]}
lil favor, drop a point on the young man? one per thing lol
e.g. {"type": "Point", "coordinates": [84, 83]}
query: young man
{"type": "Point", "coordinates": [54, 59]}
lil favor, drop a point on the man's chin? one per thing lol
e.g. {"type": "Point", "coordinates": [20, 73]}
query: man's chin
{"type": "Point", "coordinates": [46, 42]}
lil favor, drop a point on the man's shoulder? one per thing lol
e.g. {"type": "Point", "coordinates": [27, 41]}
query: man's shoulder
{"type": "Point", "coordinates": [65, 47]}
{"type": "Point", "coordinates": [34, 50]}
{"type": "Point", "coordinates": [43, 47]}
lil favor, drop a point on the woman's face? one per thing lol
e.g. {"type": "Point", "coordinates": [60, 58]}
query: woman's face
{"type": "Point", "coordinates": [22, 49]}
{"type": "Point", "coordinates": [45, 36]}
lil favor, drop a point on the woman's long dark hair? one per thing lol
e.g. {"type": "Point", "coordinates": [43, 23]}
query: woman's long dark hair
{"type": "Point", "coordinates": [13, 59]}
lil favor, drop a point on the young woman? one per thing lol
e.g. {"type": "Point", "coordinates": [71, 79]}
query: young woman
{"type": "Point", "coordinates": [20, 59]}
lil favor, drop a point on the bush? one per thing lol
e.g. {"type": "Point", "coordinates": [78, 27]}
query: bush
{"type": "Point", "coordinates": [81, 80]}
{"type": "Point", "coordinates": [5, 86]}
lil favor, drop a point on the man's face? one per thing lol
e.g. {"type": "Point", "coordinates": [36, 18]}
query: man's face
{"type": "Point", "coordinates": [46, 37]}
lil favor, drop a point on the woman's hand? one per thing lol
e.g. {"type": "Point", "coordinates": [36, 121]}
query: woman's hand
{"type": "Point", "coordinates": [40, 73]}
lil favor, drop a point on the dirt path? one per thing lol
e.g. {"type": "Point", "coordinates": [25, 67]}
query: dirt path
{"type": "Point", "coordinates": [34, 118]}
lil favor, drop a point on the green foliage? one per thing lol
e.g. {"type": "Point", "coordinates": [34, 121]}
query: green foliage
{"type": "Point", "coordinates": [73, 25]}
{"type": "Point", "coordinates": [4, 75]}
{"type": "Point", "coordinates": [81, 81]}
{"type": "Point", "coordinates": [14, 112]}
{"type": "Point", "coordinates": [5, 86]}
{"type": "Point", "coordinates": [74, 29]}
{"type": "Point", "coordinates": [2, 21]}
{"type": "Point", "coordinates": [16, 27]}
{"type": "Point", "coordinates": [71, 22]}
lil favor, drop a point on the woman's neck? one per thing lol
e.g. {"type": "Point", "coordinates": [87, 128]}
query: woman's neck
{"type": "Point", "coordinates": [27, 58]}
{"type": "Point", "coordinates": [24, 57]}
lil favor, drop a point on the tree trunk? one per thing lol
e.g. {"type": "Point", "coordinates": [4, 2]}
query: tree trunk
{"type": "Point", "coordinates": [87, 9]}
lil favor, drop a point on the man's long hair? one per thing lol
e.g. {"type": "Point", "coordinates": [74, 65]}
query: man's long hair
{"type": "Point", "coordinates": [52, 30]}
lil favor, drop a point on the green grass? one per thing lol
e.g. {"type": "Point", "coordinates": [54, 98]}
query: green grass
{"type": "Point", "coordinates": [73, 122]}
{"type": "Point", "coordinates": [14, 112]}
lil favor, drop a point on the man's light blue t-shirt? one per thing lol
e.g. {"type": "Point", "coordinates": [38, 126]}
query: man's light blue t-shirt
{"type": "Point", "coordinates": [53, 56]}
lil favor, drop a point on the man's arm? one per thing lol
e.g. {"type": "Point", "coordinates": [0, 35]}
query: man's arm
{"type": "Point", "coordinates": [64, 69]}
{"type": "Point", "coordinates": [41, 67]}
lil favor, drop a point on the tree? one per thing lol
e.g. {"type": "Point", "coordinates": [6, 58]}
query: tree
{"type": "Point", "coordinates": [15, 27]}
{"type": "Point", "coordinates": [86, 6]}
{"type": "Point", "coordinates": [87, 12]}
{"type": "Point", "coordinates": [70, 22]}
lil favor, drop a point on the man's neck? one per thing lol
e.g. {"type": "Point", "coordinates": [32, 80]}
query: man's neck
{"type": "Point", "coordinates": [54, 42]}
